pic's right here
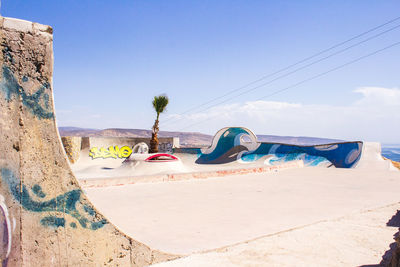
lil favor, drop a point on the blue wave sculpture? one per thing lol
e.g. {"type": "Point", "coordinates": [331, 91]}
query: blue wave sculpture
{"type": "Point", "coordinates": [238, 143]}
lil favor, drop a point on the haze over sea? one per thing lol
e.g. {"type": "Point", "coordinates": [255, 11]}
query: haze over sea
{"type": "Point", "coordinates": [391, 151]}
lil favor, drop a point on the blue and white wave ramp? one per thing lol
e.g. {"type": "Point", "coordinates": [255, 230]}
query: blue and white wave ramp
{"type": "Point", "coordinates": [240, 144]}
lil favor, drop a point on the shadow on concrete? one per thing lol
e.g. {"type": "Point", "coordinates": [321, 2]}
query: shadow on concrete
{"type": "Point", "coordinates": [387, 256]}
{"type": "Point", "coordinates": [395, 220]}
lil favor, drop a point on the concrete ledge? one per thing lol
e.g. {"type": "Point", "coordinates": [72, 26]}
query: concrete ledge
{"type": "Point", "coordinates": [18, 25]}
{"type": "Point", "coordinates": [104, 182]}
{"type": "Point", "coordinates": [25, 26]}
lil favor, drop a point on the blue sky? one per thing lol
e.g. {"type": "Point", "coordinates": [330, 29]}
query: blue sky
{"type": "Point", "coordinates": [112, 57]}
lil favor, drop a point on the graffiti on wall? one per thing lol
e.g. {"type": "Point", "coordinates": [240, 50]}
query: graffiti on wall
{"type": "Point", "coordinates": [68, 204]}
{"type": "Point", "coordinates": [123, 152]}
{"type": "Point", "coordinates": [230, 145]}
{"type": "Point", "coordinates": [110, 152]}
{"type": "Point", "coordinates": [37, 103]}
{"type": "Point", "coordinates": [165, 147]}
{"type": "Point", "coordinates": [5, 232]}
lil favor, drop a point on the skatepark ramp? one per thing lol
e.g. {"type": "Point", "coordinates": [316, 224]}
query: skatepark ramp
{"type": "Point", "coordinates": [240, 144]}
{"type": "Point", "coordinates": [45, 218]}
{"type": "Point", "coordinates": [372, 158]}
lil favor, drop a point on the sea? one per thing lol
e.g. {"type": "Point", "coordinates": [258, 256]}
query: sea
{"type": "Point", "coordinates": [391, 151]}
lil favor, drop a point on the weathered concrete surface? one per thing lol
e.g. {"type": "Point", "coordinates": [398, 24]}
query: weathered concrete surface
{"type": "Point", "coordinates": [195, 215]}
{"type": "Point", "coordinates": [72, 146]}
{"type": "Point", "coordinates": [45, 219]}
{"type": "Point", "coordinates": [359, 239]}
{"type": "Point", "coordinates": [371, 158]}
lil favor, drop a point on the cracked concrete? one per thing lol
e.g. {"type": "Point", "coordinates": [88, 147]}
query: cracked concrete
{"type": "Point", "coordinates": [200, 215]}
{"type": "Point", "coordinates": [359, 239]}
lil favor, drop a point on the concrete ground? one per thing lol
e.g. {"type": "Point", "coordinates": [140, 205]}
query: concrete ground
{"type": "Point", "coordinates": [320, 215]}
{"type": "Point", "coordinates": [361, 239]}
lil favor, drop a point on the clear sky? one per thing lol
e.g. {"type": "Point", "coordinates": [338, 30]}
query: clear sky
{"type": "Point", "coordinates": [112, 57]}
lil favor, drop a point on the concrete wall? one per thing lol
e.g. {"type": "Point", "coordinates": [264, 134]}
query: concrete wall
{"type": "Point", "coordinates": [72, 146]}
{"type": "Point", "coordinates": [113, 147]}
{"type": "Point", "coordinates": [45, 218]}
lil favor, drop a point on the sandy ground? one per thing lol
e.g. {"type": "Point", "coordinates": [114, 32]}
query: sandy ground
{"type": "Point", "coordinates": [197, 215]}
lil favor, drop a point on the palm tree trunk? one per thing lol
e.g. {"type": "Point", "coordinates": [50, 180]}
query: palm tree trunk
{"type": "Point", "coordinates": [154, 138]}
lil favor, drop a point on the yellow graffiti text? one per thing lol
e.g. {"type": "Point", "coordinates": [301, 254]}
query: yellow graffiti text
{"type": "Point", "coordinates": [110, 152]}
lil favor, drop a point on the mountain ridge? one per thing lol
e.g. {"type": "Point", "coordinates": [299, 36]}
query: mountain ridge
{"type": "Point", "coordinates": [188, 138]}
{"type": "Point", "coordinates": [185, 138]}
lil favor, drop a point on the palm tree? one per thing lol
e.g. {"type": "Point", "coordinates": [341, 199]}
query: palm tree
{"type": "Point", "coordinates": [159, 103]}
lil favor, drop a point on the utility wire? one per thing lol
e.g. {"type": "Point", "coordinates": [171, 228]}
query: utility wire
{"type": "Point", "coordinates": [288, 67]}
{"type": "Point", "coordinates": [299, 69]}
{"type": "Point", "coordinates": [312, 78]}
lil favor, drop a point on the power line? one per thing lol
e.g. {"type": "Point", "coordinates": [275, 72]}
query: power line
{"type": "Point", "coordinates": [313, 77]}
{"type": "Point", "coordinates": [288, 67]}
{"type": "Point", "coordinates": [300, 68]}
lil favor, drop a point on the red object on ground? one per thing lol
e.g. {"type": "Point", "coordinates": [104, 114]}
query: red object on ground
{"type": "Point", "coordinates": [161, 158]}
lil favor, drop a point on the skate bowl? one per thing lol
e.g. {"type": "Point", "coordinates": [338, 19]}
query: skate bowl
{"type": "Point", "coordinates": [45, 217]}
{"type": "Point", "coordinates": [232, 149]}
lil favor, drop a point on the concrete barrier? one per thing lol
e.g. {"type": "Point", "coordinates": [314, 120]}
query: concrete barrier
{"type": "Point", "coordinates": [110, 147]}
{"type": "Point", "coordinates": [117, 181]}
{"type": "Point", "coordinates": [45, 219]}
{"type": "Point", "coordinates": [72, 146]}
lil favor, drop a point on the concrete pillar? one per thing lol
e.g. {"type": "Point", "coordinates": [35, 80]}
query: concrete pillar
{"type": "Point", "coordinates": [72, 146]}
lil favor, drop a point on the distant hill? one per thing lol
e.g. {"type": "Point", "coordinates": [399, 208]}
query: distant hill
{"type": "Point", "coordinates": [188, 139]}
{"type": "Point", "coordinates": [185, 138]}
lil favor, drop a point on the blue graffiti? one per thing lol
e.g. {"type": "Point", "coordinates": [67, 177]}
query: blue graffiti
{"type": "Point", "coordinates": [89, 210]}
{"type": "Point", "coordinates": [53, 221]}
{"type": "Point", "coordinates": [229, 145]}
{"type": "Point", "coordinates": [226, 147]}
{"type": "Point", "coordinates": [65, 203]}
{"type": "Point", "coordinates": [340, 155]}
{"type": "Point", "coordinates": [37, 190]}
{"type": "Point", "coordinates": [37, 103]}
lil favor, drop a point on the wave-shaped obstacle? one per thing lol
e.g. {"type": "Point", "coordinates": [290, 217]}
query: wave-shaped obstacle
{"type": "Point", "coordinates": [240, 144]}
